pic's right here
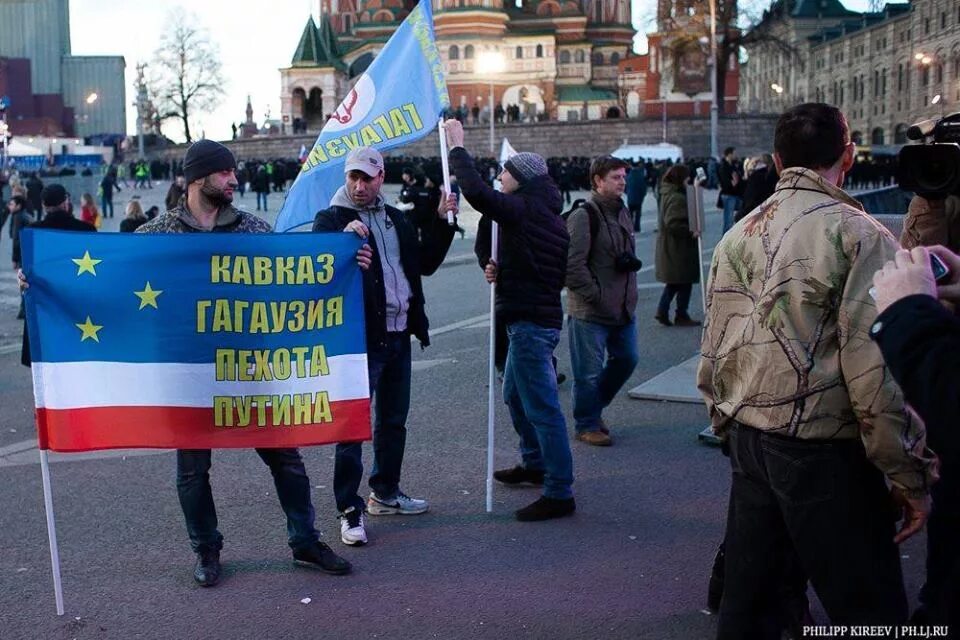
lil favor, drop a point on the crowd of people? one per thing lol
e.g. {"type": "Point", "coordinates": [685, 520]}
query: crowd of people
{"type": "Point", "coordinates": [826, 455]}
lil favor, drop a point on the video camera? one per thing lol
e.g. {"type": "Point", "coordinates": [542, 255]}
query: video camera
{"type": "Point", "coordinates": [932, 169]}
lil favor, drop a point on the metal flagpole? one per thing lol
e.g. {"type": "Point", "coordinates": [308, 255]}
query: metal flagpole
{"type": "Point", "coordinates": [445, 164]}
{"type": "Point", "coordinates": [492, 377]}
{"type": "Point", "coordinates": [703, 284]}
{"type": "Point", "coordinates": [51, 530]}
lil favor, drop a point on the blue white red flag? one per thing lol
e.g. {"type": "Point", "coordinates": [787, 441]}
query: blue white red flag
{"type": "Point", "coordinates": [196, 341]}
{"type": "Point", "coordinates": [398, 100]}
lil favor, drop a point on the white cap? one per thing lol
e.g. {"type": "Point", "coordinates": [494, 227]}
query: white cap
{"type": "Point", "coordinates": [366, 159]}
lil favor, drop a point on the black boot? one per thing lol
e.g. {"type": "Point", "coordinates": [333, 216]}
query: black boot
{"type": "Point", "coordinates": [207, 570]}
{"type": "Point", "coordinates": [519, 475]}
{"type": "Point", "coordinates": [546, 509]}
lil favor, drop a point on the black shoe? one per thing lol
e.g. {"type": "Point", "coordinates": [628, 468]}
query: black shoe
{"type": "Point", "coordinates": [561, 378]}
{"type": "Point", "coordinates": [519, 475]}
{"type": "Point", "coordinates": [662, 319]}
{"type": "Point", "coordinates": [545, 509]}
{"type": "Point", "coordinates": [322, 557]}
{"type": "Point", "coordinates": [207, 570]}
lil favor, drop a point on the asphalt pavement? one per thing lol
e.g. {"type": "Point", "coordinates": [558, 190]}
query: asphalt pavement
{"type": "Point", "coordinates": [632, 563]}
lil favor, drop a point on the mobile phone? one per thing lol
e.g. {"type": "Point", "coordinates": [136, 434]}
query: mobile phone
{"type": "Point", "coordinates": [939, 267]}
{"type": "Point", "coordinates": [701, 176]}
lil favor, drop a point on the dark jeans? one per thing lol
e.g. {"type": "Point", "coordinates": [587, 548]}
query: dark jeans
{"type": "Point", "coordinates": [682, 292]}
{"type": "Point", "coordinates": [603, 357]}
{"type": "Point", "coordinates": [635, 210]}
{"type": "Point", "coordinates": [530, 391]}
{"type": "Point", "coordinates": [262, 197]}
{"type": "Point", "coordinates": [106, 206]}
{"type": "Point", "coordinates": [826, 503]}
{"type": "Point", "coordinates": [196, 499]}
{"type": "Point", "coordinates": [389, 371]}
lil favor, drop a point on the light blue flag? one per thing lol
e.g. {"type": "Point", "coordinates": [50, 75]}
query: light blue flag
{"type": "Point", "coordinates": [398, 100]}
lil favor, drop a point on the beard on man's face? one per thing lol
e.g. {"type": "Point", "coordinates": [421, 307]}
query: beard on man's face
{"type": "Point", "coordinates": [217, 195]}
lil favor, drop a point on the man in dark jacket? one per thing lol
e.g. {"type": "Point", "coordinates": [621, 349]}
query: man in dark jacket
{"type": "Point", "coordinates": [178, 189]}
{"type": "Point", "coordinates": [34, 195]}
{"type": "Point", "coordinates": [107, 186]}
{"type": "Point", "coordinates": [920, 342]}
{"type": "Point", "coordinates": [601, 299]}
{"type": "Point", "coordinates": [636, 192]}
{"type": "Point", "coordinates": [530, 274]}
{"type": "Point", "coordinates": [731, 187]}
{"type": "Point", "coordinates": [19, 218]}
{"type": "Point", "coordinates": [394, 307]}
{"type": "Point", "coordinates": [760, 185]}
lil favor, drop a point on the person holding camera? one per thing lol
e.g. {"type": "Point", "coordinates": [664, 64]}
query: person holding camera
{"type": "Point", "coordinates": [601, 298]}
{"type": "Point", "coordinates": [920, 342]}
{"type": "Point", "coordinates": [931, 222]}
{"type": "Point", "coordinates": [678, 256]}
{"type": "Point", "coordinates": [814, 423]}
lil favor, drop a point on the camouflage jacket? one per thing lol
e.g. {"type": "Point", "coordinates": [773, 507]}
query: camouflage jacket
{"type": "Point", "coordinates": [786, 345]}
{"type": "Point", "coordinates": [229, 220]}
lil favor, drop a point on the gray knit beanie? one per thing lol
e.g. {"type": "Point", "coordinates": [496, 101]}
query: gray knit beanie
{"type": "Point", "coordinates": [526, 166]}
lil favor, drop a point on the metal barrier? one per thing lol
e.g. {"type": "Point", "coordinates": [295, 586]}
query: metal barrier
{"type": "Point", "coordinates": [887, 201]}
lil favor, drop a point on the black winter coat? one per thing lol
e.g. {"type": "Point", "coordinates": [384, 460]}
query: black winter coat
{"type": "Point", "coordinates": [760, 185]}
{"type": "Point", "coordinates": [420, 254]}
{"type": "Point", "coordinates": [532, 258]}
{"type": "Point", "coordinates": [920, 342]}
{"type": "Point", "coordinates": [53, 220]}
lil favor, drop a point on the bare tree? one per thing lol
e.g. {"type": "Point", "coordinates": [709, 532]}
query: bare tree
{"type": "Point", "coordinates": [737, 30]}
{"type": "Point", "coordinates": [186, 71]}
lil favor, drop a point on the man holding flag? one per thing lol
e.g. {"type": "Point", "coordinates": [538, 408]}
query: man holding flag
{"type": "Point", "coordinates": [394, 306]}
{"type": "Point", "coordinates": [529, 274]}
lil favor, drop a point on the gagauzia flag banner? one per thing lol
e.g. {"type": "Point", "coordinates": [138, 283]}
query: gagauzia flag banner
{"type": "Point", "coordinates": [398, 100]}
{"type": "Point", "coordinates": [196, 341]}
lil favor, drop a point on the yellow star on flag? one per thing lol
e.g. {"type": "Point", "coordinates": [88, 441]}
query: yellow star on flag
{"type": "Point", "coordinates": [148, 297]}
{"type": "Point", "coordinates": [86, 264]}
{"type": "Point", "coordinates": [89, 330]}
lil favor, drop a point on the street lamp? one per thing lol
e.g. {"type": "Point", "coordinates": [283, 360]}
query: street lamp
{"type": "Point", "coordinates": [778, 89]}
{"type": "Point", "coordinates": [92, 98]}
{"type": "Point", "coordinates": [491, 63]}
{"type": "Point", "coordinates": [938, 99]}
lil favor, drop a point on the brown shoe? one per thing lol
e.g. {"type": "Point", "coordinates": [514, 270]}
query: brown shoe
{"type": "Point", "coordinates": [685, 321]}
{"type": "Point", "coordinates": [664, 320]}
{"type": "Point", "coordinates": [595, 438]}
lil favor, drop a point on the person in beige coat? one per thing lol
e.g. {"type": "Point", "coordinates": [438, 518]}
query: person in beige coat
{"type": "Point", "coordinates": [813, 421]}
{"type": "Point", "coordinates": [601, 298]}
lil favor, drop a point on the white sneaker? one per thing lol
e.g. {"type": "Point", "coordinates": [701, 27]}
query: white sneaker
{"type": "Point", "coordinates": [402, 505]}
{"type": "Point", "coordinates": [352, 531]}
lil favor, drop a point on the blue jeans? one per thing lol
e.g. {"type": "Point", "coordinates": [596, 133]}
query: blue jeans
{"type": "Point", "coordinates": [106, 206]}
{"type": "Point", "coordinates": [530, 391]}
{"type": "Point", "coordinates": [603, 357]}
{"type": "Point", "coordinates": [730, 206]}
{"type": "Point", "coordinates": [389, 371]}
{"type": "Point", "coordinates": [262, 197]}
{"type": "Point", "coordinates": [196, 499]}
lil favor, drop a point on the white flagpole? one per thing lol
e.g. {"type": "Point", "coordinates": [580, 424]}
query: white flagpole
{"type": "Point", "coordinates": [492, 377]}
{"type": "Point", "coordinates": [703, 284]}
{"type": "Point", "coordinates": [51, 531]}
{"type": "Point", "coordinates": [445, 164]}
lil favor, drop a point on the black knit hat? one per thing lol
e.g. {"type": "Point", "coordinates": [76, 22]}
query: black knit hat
{"type": "Point", "coordinates": [205, 157]}
{"type": "Point", "coordinates": [53, 195]}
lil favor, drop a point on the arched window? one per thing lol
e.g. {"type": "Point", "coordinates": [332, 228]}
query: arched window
{"type": "Point", "coordinates": [580, 56]}
{"type": "Point", "coordinates": [539, 50]}
{"type": "Point", "coordinates": [900, 134]}
{"type": "Point", "coordinates": [564, 57]}
{"type": "Point", "coordinates": [468, 52]}
{"type": "Point", "coordinates": [856, 138]}
{"type": "Point", "coordinates": [597, 58]}
{"type": "Point", "coordinates": [876, 136]}
{"type": "Point", "coordinates": [454, 52]}
{"type": "Point", "coordinates": [519, 53]}
{"type": "Point", "coordinates": [614, 58]}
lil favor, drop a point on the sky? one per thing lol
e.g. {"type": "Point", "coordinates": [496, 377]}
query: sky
{"type": "Point", "coordinates": [256, 39]}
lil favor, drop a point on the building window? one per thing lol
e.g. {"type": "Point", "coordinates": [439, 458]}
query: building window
{"type": "Point", "coordinates": [597, 58]}
{"type": "Point", "coordinates": [564, 57]}
{"type": "Point", "coordinates": [454, 52]}
{"type": "Point", "coordinates": [580, 56]}
{"type": "Point", "coordinates": [539, 50]}
{"type": "Point", "coordinates": [876, 137]}
{"type": "Point", "coordinates": [519, 52]}
{"type": "Point", "coordinates": [943, 20]}
{"type": "Point", "coordinates": [468, 52]}
{"type": "Point", "coordinates": [614, 58]}
{"type": "Point", "coordinates": [926, 26]}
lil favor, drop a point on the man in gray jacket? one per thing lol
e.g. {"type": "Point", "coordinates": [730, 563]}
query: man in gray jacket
{"type": "Point", "coordinates": [602, 298]}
